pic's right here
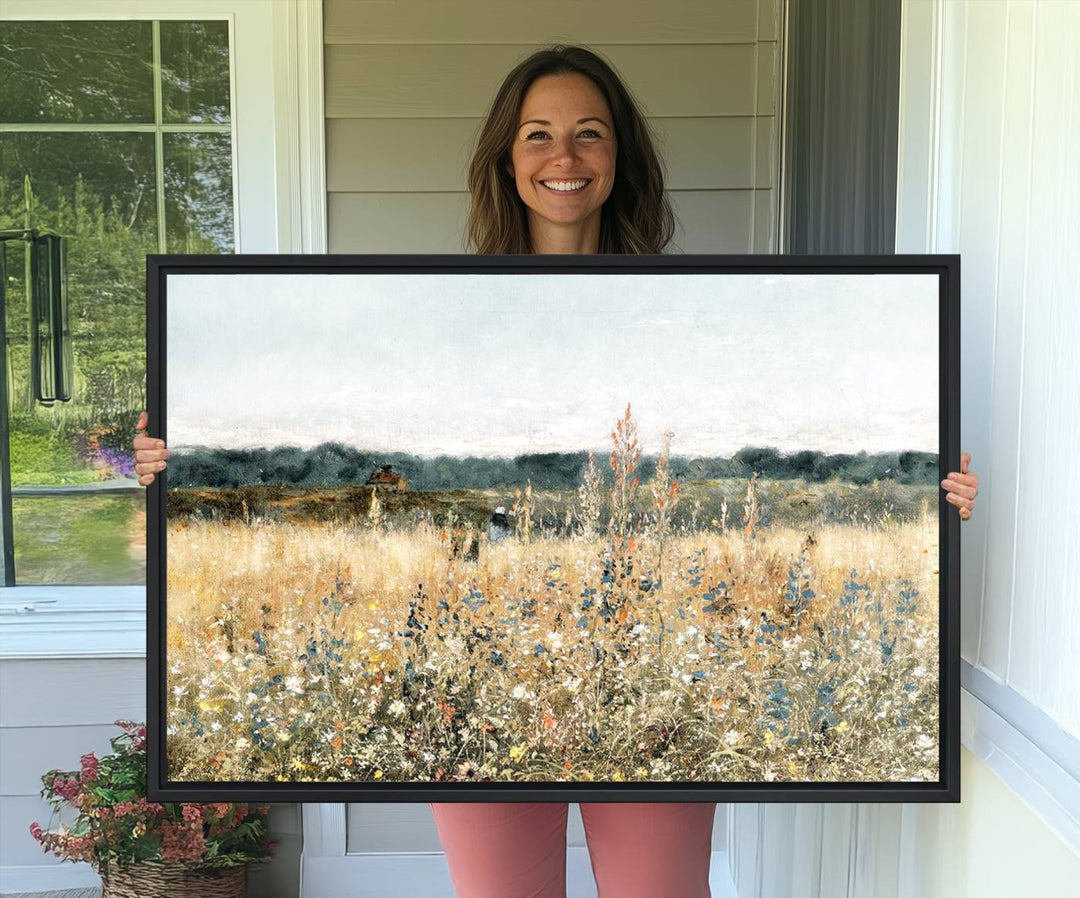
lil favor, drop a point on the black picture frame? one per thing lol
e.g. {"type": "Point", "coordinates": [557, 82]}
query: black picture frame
{"type": "Point", "coordinates": [946, 268]}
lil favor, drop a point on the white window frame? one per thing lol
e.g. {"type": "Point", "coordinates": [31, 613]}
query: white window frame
{"type": "Point", "coordinates": [279, 202]}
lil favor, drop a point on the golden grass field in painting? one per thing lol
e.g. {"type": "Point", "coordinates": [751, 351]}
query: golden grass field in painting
{"type": "Point", "coordinates": [328, 652]}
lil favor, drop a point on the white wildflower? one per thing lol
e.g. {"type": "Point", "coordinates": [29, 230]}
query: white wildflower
{"type": "Point", "coordinates": [731, 737]}
{"type": "Point", "coordinates": [294, 684]}
{"type": "Point", "coordinates": [397, 707]}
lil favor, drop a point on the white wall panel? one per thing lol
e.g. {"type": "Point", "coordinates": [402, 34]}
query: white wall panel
{"type": "Point", "coordinates": [1045, 638]}
{"type": "Point", "coordinates": [978, 168]}
{"type": "Point", "coordinates": [1013, 221]}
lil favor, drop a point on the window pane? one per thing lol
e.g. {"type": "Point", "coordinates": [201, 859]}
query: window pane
{"type": "Point", "coordinates": [81, 540]}
{"type": "Point", "coordinates": [198, 193]}
{"type": "Point", "coordinates": [76, 72]}
{"type": "Point", "coordinates": [195, 71]}
{"type": "Point", "coordinates": [97, 190]}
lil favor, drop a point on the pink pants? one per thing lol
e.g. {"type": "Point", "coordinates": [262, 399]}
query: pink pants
{"type": "Point", "coordinates": [649, 850]}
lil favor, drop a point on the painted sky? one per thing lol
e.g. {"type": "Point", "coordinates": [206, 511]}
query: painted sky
{"type": "Point", "coordinates": [499, 365]}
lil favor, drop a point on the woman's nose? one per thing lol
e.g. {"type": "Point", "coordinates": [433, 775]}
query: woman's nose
{"type": "Point", "coordinates": [564, 149]}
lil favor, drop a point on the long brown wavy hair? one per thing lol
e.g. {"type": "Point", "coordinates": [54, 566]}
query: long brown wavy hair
{"type": "Point", "coordinates": [637, 216]}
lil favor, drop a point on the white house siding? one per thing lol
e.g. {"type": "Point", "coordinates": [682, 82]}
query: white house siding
{"type": "Point", "coordinates": [407, 85]}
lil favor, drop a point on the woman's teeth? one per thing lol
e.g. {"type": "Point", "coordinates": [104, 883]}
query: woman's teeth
{"type": "Point", "coordinates": [564, 186]}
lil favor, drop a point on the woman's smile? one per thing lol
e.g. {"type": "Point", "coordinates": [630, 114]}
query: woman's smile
{"type": "Point", "coordinates": [562, 186]}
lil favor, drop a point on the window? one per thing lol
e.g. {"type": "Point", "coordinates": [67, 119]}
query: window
{"type": "Point", "coordinates": [276, 90]}
{"type": "Point", "coordinates": [118, 136]}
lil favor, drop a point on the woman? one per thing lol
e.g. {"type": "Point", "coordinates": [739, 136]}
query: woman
{"type": "Point", "coordinates": [565, 164]}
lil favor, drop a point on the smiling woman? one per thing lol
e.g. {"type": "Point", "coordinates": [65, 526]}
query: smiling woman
{"type": "Point", "coordinates": [563, 162]}
{"type": "Point", "coordinates": [560, 118]}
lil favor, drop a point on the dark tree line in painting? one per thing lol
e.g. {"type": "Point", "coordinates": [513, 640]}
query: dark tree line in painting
{"type": "Point", "coordinates": [335, 464]}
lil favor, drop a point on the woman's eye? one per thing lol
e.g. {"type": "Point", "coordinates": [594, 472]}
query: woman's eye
{"type": "Point", "coordinates": [533, 134]}
{"type": "Point", "coordinates": [589, 132]}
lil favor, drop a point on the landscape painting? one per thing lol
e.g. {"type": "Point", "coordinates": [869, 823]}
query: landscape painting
{"type": "Point", "coordinates": [552, 529]}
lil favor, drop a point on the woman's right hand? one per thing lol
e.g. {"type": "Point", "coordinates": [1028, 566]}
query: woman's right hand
{"type": "Point", "coordinates": [150, 453]}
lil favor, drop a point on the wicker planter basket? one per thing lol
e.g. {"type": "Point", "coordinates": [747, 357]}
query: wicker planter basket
{"type": "Point", "coordinates": [174, 881]}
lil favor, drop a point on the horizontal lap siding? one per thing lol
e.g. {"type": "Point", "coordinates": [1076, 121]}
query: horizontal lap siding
{"type": "Point", "coordinates": [460, 81]}
{"type": "Point", "coordinates": [525, 22]}
{"type": "Point", "coordinates": [53, 712]}
{"type": "Point", "coordinates": [408, 83]}
{"type": "Point", "coordinates": [380, 155]}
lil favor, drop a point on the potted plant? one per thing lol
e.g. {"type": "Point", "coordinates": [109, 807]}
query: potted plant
{"type": "Point", "coordinates": [141, 847]}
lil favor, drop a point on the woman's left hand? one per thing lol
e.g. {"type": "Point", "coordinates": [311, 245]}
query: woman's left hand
{"type": "Point", "coordinates": [962, 487]}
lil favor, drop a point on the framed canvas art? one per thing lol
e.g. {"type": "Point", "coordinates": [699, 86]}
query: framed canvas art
{"type": "Point", "coordinates": [554, 528]}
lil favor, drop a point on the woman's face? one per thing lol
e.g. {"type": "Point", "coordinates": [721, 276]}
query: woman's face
{"type": "Point", "coordinates": [563, 154]}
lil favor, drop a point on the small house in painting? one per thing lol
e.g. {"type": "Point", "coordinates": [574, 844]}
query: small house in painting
{"type": "Point", "coordinates": [386, 478]}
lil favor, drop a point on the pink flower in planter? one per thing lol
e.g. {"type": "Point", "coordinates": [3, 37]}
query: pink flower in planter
{"type": "Point", "coordinates": [89, 768]}
{"type": "Point", "coordinates": [66, 789]}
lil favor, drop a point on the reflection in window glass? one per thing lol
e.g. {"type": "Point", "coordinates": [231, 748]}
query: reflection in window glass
{"type": "Point", "coordinates": [195, 71]}
{"type": "Point", "coordinates": [198, 193]}
{"type": "Point", "coordinates": [98, 190]}
{"type": "Point", "coordinates": [81, 540]}
{"type": "Point", "coordinates": [76, 72]}
{"type": "Point", "coordinates": [78, 513]}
